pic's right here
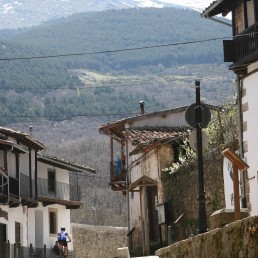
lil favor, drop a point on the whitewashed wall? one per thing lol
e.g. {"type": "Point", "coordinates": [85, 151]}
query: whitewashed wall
{"type": "Point", "coordinates": [63, 218]}
{"type": "Point", "coordinates": [169, 120]}
{"type": "Point", "coordinates": [250, 136]}
{"type": "Point", "coordinates": [19, 214]}
{"type": "Point", "coordinates": [62, 175]}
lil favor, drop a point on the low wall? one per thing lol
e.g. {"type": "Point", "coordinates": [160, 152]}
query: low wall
{"type": "Point", "coordinates": [180, 191]}
{"type": "Point", "coordinates": [235, 240]}
{"type": "Point", "coordinates": [97, 241]}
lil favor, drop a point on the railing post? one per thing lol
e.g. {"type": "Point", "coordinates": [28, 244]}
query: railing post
{"type": "Point", "coordinates": [8, 249]}
{"type": "Point", "coordinates": [30, 252]}
{"type": "Point", "coordinates": [14, 250]}
{"type": "Point", "coordinates": [45, 252]}
{"type": "Point", "coordinates": [19, 250]}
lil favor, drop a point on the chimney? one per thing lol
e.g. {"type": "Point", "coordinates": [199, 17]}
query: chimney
{"type": "Point", "coordinates": [142, 106]}
{"type": "Point", "coordinates": [31, 129]}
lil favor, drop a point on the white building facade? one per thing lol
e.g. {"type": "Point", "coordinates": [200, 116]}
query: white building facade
{"type": "Point", "coordinates": [36, 196]}
{"type": "Point", "coordinates": [242, 52]}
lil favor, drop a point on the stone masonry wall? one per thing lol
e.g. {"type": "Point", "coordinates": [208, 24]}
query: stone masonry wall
{"type": "Point", "coordinates": [181, 193]}
{"type": "Point", "coordinates": [91, 241]}
{"type": "Point", "coordinates": [235, 240]}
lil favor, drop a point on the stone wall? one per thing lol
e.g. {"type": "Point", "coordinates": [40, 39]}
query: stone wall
{"type": "Point", "coordinates": [235, 240]}
{"type": "Point", "coordinates": [181, 193]}
{"type": "Point", "coordinates": [91, 241]}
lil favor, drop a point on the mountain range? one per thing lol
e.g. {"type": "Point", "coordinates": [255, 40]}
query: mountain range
{"type": "Point", "coordinates": [26, 13]}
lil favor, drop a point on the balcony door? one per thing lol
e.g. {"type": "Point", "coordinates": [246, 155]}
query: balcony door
{"type": "Point", "coordinates": [52, 182]}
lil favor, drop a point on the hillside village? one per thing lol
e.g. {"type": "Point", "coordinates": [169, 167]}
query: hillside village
{"type": "Point", "coordinates": [181, 200]}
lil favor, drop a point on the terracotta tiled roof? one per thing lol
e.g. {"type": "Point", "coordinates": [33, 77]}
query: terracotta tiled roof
{"type": "Point", "coordinates": [115, 128]}
{"type": "Point", "coordinates": [150, 137]}
{"type": "Point", "coordinates": [64, 164]}
{"type": "Point", "coordinates": [26, 138]}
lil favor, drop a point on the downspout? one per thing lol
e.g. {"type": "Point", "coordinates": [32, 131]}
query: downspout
{"type": "Point", "coordinates": [240, 136]}
{"type": "Point", "coordinates": [128, 198]}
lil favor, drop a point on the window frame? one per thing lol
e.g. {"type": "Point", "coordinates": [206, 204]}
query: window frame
{"type": "Point", "coordinates": [51, 183]}
{"type": "Point", "coordinates": [55, 223]}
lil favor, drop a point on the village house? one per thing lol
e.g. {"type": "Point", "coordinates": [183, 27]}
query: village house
{"type": "Point", "coordinates": [35, 193]}
{"type": "Point", "coordinates": [148, 144]}
{"type": "Point", "coordinates": [242, 52]}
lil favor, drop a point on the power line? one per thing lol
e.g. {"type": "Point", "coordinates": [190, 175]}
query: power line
{"type": "Point", "coordinates": [113, 51]}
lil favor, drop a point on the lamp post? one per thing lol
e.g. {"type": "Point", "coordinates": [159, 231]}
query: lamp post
{"type": "Point", "coordinates": [201, 199]}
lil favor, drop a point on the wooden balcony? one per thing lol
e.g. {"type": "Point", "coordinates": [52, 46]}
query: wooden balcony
{"type": "Point", "coordinates": [117, 178]}
{"type": "Point", "coordinates": [243, 49]}
{"type": "Point", "coordinates": [59, 193]}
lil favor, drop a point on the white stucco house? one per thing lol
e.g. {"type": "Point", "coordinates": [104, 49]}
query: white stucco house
{"type": "Point", "coordinates": [149, 143]}
{"type": "Point", "coordinates": [35, 193]}
{"type": "Point", "coordinates": [242, 52]}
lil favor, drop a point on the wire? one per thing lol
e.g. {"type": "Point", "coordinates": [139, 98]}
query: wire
{"type": "Point", "coordinates": [113, 51]}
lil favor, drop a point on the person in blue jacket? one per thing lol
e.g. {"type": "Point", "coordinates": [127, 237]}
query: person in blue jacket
{"type": "Point", "coordinates": [63, 239]}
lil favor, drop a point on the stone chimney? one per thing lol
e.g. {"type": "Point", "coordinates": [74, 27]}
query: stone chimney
{"type": "Point", "coordinates": [142, 107]}
{"type": "Point", "coordinates": [31, 130]}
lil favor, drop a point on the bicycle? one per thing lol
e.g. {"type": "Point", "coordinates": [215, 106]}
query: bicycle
{"type": "Point", "coordinates": [62, 250]}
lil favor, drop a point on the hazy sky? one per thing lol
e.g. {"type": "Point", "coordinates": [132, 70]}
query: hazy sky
{"type": "Point", "coordinates": [198, 4]}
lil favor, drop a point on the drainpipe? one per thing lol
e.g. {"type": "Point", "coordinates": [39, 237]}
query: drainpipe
{"type": "Point", "coordinates": [128, 198]}
{"type": "Point", "coordinates": [240, 136]}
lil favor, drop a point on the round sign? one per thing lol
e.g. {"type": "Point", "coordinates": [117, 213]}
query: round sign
{"type": "Point", "coordinates": [190, 115]}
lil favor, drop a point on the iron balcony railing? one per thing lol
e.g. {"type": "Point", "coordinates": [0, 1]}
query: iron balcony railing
{"type": "Point", "coordinates": [58, 190]}
{"type": "Point", "coordinates": [246, 43]}
{"type": "Point", "coordinates": [243, 49]}
{"type": "Point", "coordinates": [9, 185]}
{"type": "Point", "coordinates": [14, 186]}
{"type": "Point", "coordinates": [117, 173]}
{"type": "Point", "coordinates": [27, 187]}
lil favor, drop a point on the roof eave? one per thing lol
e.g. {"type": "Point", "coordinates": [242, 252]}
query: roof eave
{"type": "Point", "coordinates": [216, 8]}
{"type": "Point", "coordinates": [64, 165]}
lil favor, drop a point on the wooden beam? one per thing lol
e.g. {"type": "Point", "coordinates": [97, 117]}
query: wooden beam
{"type": "Point", "coordinates": [236, 192]}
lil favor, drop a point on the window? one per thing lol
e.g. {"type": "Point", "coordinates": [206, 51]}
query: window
{"type": "Point", "coordinates": [51, 181]}
{"type": "Point", "coordinates": [17, 232]}
{"type": "Point", "coordinates": [52, 221]}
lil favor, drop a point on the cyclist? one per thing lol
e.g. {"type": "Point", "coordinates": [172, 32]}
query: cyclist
{"type": "Point", "coordinates": [62, 240]}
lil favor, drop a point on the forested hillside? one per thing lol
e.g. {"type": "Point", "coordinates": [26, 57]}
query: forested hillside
{"type": "Point", "coordinates": [37, 63]}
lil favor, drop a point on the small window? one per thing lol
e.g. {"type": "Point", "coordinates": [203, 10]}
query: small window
{"type": "Point", "coordinates": [17, 232]}
{"type": "Point", "coordinates": [52, 221]}
{"type": "Point", "coordinates": [51, 181]}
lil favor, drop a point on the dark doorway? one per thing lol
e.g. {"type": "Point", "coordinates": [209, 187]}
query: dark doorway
{"type": "Point", "coordinates": [2, 233]}
{"type": "Point", "coordinates": [152, 214]}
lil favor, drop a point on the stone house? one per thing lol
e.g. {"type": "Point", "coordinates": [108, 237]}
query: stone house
{"type": "Point", "coordinates": [148, 143]}
{"type": "Point", "coordinates": [242, 52]}
{"type": "Point", "coordinates": [35, 193]}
